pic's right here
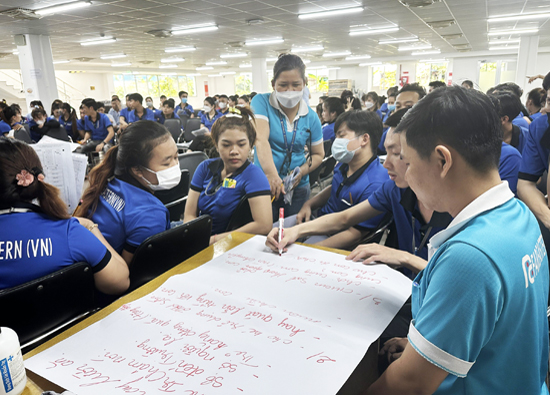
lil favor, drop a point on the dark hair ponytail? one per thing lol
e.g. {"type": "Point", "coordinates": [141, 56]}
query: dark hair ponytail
{"type": "Point", "coordinates": [16, 156]}
{"type": "Point", "coordinates": [72, 117]}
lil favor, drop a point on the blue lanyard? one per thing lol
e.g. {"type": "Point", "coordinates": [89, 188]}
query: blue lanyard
{"type": "Point", "coordinates": [287, 148]}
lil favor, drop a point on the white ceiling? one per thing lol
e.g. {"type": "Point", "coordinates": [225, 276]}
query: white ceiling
{"type": "Point", "coordinates": [128, 20]}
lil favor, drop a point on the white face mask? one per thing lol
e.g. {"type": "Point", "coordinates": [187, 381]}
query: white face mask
{"type": "Point", "coordinates": [39, 122]}
{"type": "Point", "coordinates": [340, 150]}
{"type": "Point", "coordinates": [240, 105]}
{"type": "Point", "coordinates": [369, 104]}
{"type": "Point", "coordinates": [223, 105]}
{"type": "Point", "coordinates": [289, 99]}
{"type": "Point", "coordinates": [167, 178]}
{"type": "Point", "coordinates": [149, 104]}
{"type": "Point", "coordinates": [207, 108]}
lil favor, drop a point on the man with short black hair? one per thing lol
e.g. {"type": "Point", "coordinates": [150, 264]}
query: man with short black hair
{"type": "Point", "coordinates": [467, 84]}
{"type": "Point", "coordinates": [434, 85]}
{"type": "Point", "coordinates": [162, 99]}
{"type": "Point", "coordinates": [486, 281]}
{"type": "Point", "coordinates": [114, 112]}
{"type": "Point", "coordinates": [138, 113]}
{"type": "Point", "coordinates": [167, 111]}
{"type": "Point", "coordinates": [508, 108]}
{"type": "Point", "coordinates": [123, 117]}
{"type": "Point", "coordinates": [409, 95]}
{"type": "Point", "coordinates": [184, 105]}
{"type": "Point", "coordinates": [223, 104]}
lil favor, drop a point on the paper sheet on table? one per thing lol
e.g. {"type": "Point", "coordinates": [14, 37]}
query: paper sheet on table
{"type": "Point", "coordinates": [80, 162]}
{"type": "Point", "coordinates": [51, 140]}
{"type": "Point", "coordinates": [59, 170]}
{"type": "Point", "coordinates": [247, 322]}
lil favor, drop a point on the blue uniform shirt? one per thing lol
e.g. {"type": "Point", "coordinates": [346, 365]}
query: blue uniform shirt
{"type": "Point", "coordinates": [68, 125]}
{"type": "Point", "coordinates": [4, 127]}
{"type": "Point", "coordinates": [349, 191]}
{"type": "Point", "coordinates": [80, 124]}
{"type": "Point", "coordinates": [519, 136]}
{"type": "Point", "coordinates": [384, 108]}
{"type": "Point", "coordinates": [479, 306]}
{"type": "Point", "coordinates": [265, 106]}
{"type": "Point", "coordinates": [207, 121]}
{"type": "Point", "coordinates": [127, 215]}
{"type": "Point", "coordinates": [161, 118]}
{"type": "Point", "coordinates": [381, 147]}
{"type": "Point", "coordinates": [188, 108]}
{"type": "Point", "coordinates": [379, 113]}
{"type": "Point", "coordinates": [219, 198]}
{"type": "Point", "coordinates": [99, 127]}
{"type": "Point", "coordinates": [535, 155]}
{"type": "Point", "coordinates": [148, 115]}
{"type": "Point", "coordinates": [520, 121]}
{"type": "Point", "coordinates": [508, 167]}
{"type": "Point", "coordinates": [33, 245]}
{"type": "Point", "coordinates": [535, 115]}
{"type": "Point", "coordinates": [124, 113]}
{"type": "Point", "coordinates": [328, 132]}
{"type": "Point", "coordinates": [403, 204]}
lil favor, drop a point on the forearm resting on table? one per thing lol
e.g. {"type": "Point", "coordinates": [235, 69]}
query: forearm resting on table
{"type": "Point", "coordinates": [344, 240]}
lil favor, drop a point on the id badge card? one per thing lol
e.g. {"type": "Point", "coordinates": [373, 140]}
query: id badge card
{"type": "Point", "coordinates": [229, 183]}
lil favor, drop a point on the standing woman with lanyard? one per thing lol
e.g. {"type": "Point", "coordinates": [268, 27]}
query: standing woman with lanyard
{"type": "Point", "coordinates": [285, 125]}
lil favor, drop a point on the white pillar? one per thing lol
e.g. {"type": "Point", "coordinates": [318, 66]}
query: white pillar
{"type": "Point", "coordinates": [465, 69]}
{"type": "Point", "coordinates": [259, 76]}
{"type": "Point", "coordinates": [527, 61]}
{"type": "Point", "coordinates": [37, 69]}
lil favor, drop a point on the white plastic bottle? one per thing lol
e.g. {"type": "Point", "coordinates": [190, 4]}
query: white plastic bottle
{"type": "Point", "coordinates": [12, 369]}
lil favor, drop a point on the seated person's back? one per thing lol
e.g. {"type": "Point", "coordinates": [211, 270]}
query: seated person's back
{"type": "Point", "coordinates": [218, 185]}
{"type": "Point", "coordinates": [146, 160]}
{"type": "Point", "coordinates": [39, 240]}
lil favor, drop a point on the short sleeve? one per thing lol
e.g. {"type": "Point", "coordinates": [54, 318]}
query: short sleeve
{"type": "Point", "coordinates": [260, 107]}
{"type": "Point", "coordinates": [381, 198]}
{"type": "Point", "coordinates": [460, 308]}
{"type": "Point", "coordinates": [197, 183]}
{"type": "Point", "coordinates": [532, 164]}
{"type": "Point", "coordinates": [203, 119]}
{"type": "Point", "coordinates": [509, 167]}
{"type": "Point", "coordinates": [107, 121]}
{"type": "Point", "coordinates": [367, 193]}
{"type": "Point", "coordinates": [148, 223]}
{"type": "Point", "coordinates": [256, 184]}
{"type": "Point", "coordinates": [85, 247]}
{"type": "Point", "coordinates": [316, 128]}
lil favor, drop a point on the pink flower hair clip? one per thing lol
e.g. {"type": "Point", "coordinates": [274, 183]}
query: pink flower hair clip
{"type": "Point", "coordinates": [24, 178]}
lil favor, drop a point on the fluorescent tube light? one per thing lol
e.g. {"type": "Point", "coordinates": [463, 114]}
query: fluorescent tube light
{"type": "Point", "coordinates": [169, 60]}
{"type": "Point", "coordinates": [233, 55]}
{"type": "Point", "coordinates": [502, 48]}
{"type": "Point", "coordinates": [193, 75]}
{"type": "Point", "coordinates": [430, 52]}
{"type": "Point", "coordinates": [168, 66]}
{"type": "Point", "coordinates": [218, 63]}
{"type": "Point", "coordinates": [182, 49]}
{"type": "Point", "coordinates": [315, 48]}
{"type": "Point", "coordinates": [99, 41]}
{"type": "Point", "coordinates": [62, 7]}
{"type": "Point", "coordinates": [61, 61]}
{"type": "Point", "coordinates": [323, 14]}
{"type": "Point", "coordinates": [120, 55]}
{"type": "Point", "coordinates": [204, 68]}
{"type": "Point", "coordinates": [498, 42]}
{"type": "Point", "coordinates": [511, 31]}
{"type": "Point", "coordinates": [369, 64]}
{"type": "Point", "coordinates": [336, 54]}
{"type": "Point", "coordinates": [414, 47]}
{"type": "Point", "coordinates": [267, 41]}
{"type": "Point", "coordinates": [374, 31]}
{"type": "Point", "coordinates": [358, 57]}
{"type": "Point", "coordinates": [518, 17]}
{"type": "Point", "coordinates": [195, 29]}
{"type": "Point", "coordinates": [398, 41]}
{"type": "Point", "coordinates": [228, 73]}
{"type": "Point", "coordinates": [245, 66]}
{"type": "Point", "coordinates": [214, 75]}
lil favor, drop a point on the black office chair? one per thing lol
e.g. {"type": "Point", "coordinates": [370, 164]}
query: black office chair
{"type": "Point", "coordinates": [174, 127]}
{"type": "Point", "coordinates": [322, 173]}
{"type": "Point", "coordinates": [192, 125]}
{"type": "Point", "coordinates": [174, 199]}
{"type": "Point", "coordinates": [183, 119]}
{"type": "Point", "coordinates": [40, 308]}
{"type": "Point", "coordinates": [23, 135]}
{"type": "Point", "coordinates": [378, 235]}
{"type": "Point", "coordinates": [191, 160]}
{"type": "Point", "coordinates": [241, 216]}
{"type": "Point", "coordinates": [163, 251]}
{"type": "Point", "coordinates": [59, 133]}
{"type": "Point", "coordinates": [327, 145]}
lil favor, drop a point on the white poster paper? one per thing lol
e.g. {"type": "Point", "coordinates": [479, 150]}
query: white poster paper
{"type": "Point", "coordinates": [247, 322]}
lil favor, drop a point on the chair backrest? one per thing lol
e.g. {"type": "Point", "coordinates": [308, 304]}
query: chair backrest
{"type": "Point", "coordinates": [190, 161]}
{"type": "Point", "coordinates": [327, 145]}
{"type": "Point", "coordinates": [23, 135]}
{"type": "Point", "coordinates": [40, 307]}
{"type": "Point", "coordinates": [174, 127]}
{"type": "Point", "coordinates": [183, 118]}
{"type": "Point", "coordinates": [241, 216]}
{"type": "Point", "coordinates": [192, 125]}
{"type": "Point", "coordinates": [163, 251]}
{"type": "Point", "coordinates": [59, 133]}
{"type": "Point", "coordinates": [173, 196]}
{"type": "Point", "coordinates": [327, 167]}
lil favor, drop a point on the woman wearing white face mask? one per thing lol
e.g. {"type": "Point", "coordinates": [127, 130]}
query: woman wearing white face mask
{"type": "Point", "coordinates": [209, 115]}
{"type": "Point", "coordinates": [371, 102]}
{"type": "Point", "coordinates": [127, 212]}
{"type": "Point", "coordinates": [285, 125]}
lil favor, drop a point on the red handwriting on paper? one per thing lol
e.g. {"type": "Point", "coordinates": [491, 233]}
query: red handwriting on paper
{"type": "Point", "coordinates": [250, 269]}
{"type": "Point", "coordinates": [60, 362]}
{"type": "Point", "coordinates": [324, 263]}
{"type": "Point", "coordinates": [254, 332]}
{"type": "Point", "coordinates": [259, 303]}
{"type": "Point", "coordinates": [126, 306]}
{"type": "Point", "coordinates": [126, 387]}
{"type": "Point", "coordinates": [300, 280]}
{"type": "Point", "coordinates": [230, 309]}
{"type": "Point", "coordinates": [231, 325]}
{"type": "Point", "coordinates": [322, 358]}
{"type": "Point", "coordinates": [150, 350]}
{"type": "Point", "coordinates": [167, 386]}
{"type": "Point", "coordinates": [185, 296]}
{"type": "Point", "coordinates": [339, 273]}
{"type": "Point", "coordinates": [158, 299]}
{"type": "Point", "coordinates": [376, 301]}
{"type": "Point", "coordinates": [341, 266]}
{"type": "Point", "coordinates": [244, 356]}
{"type": "Point", "coordinates": [267, 263]}
{"type": "Point", "coordinates": [91, 373]}
{"type": "Point", "coordinates": [138, 314]}
{"type": "Point", "coordinates": [214, 381]}
{"type": "Point", "coordinates": [290, 269]}
{"type": "Point", "coordinates": [335, 288]}
{"type": "Point", "coordinates": [159, 322]}
{"type": "Point", "coordinates": [241, 257]}
{"type": "Point", "coordinates": [203, 302]}
{"type": "Point", "coordinates": [366, 272]}
{"type": "Point", "coordinates": [188, 369]}
{"type": "Point", "coordinates": [231, 367]}
{"type": "Point", "coordinates": [232, 263]}
{"type": "Point", "coordinates": [210, 317]}
{"type": "Point", "coordinates": [167, 340]}
{"type": "Point", "coordinates": [274, 273]}
{"type": "Point", "coordinates": [348, 281]}
{"type": "Point", "coordinates": [306, 259]}
{"type": "Point", "coordinates": [314, 273]}
{"type": "Point", "coordinates": [292, 314]}
{"type": "Point", "coordinates": [178, 308]}
{"type": "Point", "coordinates": [207, 339]}
{"type": "Point", "coordinates": [151, 372]}
{"type": "Point", "coordinates": [183, 331]}
{"type": "Point", "coordinates": [258, 315]}
{"type": "Point", "coordinates": [201, 352]}
{"type": "Point", "coordinates": [224, 293]}
{"type": "Point", "coordinates": [292, 328]}
{"type": "Point", "coordinates": [115, 358]}
{"type": "Point", "coordinates": [168, 291]}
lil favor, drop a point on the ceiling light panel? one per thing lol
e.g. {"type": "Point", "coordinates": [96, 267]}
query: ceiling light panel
{"type": "Point", "coordinates": [365, 32]}
{"type": "Point", "coordinates": [329, 13]}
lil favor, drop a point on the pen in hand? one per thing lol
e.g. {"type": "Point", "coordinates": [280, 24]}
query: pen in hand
{"type": "Point", "coordinates": [281, 230]}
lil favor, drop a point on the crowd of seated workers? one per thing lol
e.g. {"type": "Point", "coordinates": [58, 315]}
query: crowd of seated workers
{"type": "Point", "coordinates": [261, 147]}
